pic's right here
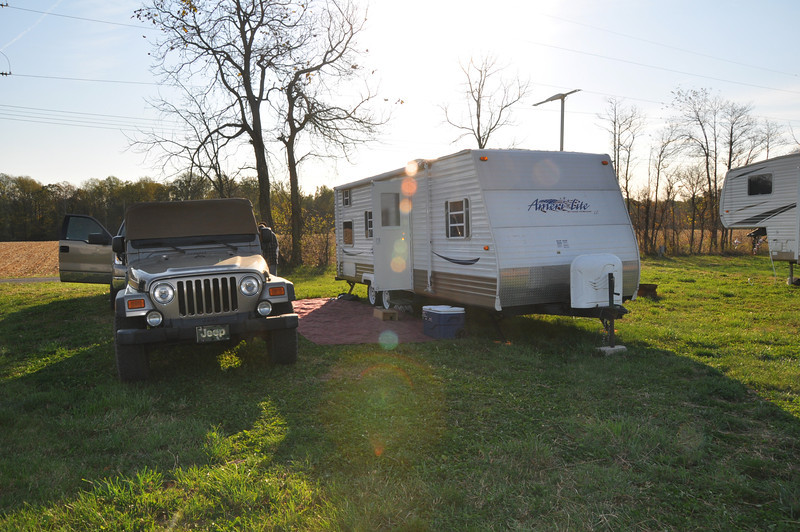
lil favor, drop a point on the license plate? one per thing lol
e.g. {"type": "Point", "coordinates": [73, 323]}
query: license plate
{"type": "Point", "coordinates": [213, 333]}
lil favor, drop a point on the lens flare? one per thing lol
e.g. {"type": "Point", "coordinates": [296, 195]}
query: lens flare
{"type": "Point", "coordinates": [409, 186]}
{"type": "Point", "coordinates": [398, 264]}
{"type": "Point", "coordinates": [388, 339]}
{"type": "Point", "coordinates": [412, 168]}
{"type": "Point", "coordinates": [405, 205]}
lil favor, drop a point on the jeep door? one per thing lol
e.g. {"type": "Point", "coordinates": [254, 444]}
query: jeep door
{"type": "Point", "coordinates": [84, 251]}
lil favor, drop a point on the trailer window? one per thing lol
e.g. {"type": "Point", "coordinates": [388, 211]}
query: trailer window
{"type": "Point", "coordinates": [368, 224]}
{"type": "Point", "coordinates": [347, 233]}
{"type": "Point", "coordinates": [390, 209]}
{"type": "Point", "coordinates": [759, 184]}
{"type": "Point", "coordinates": [346, 197]}
{"type": "Point", "coordinates": [457, 218]}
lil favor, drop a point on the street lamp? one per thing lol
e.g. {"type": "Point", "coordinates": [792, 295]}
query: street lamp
{"type": "Point", "coordinates": [560, 96]}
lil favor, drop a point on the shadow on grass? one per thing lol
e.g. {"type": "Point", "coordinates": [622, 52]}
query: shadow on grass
{"type": "Point", "coordinates": [68, 423]}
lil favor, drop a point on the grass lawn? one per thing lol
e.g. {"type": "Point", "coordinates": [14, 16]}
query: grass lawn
{"type": "Point", "coordinates": [696, 426]}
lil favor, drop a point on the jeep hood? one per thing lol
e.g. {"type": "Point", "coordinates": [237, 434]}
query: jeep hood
{"type": "Point", "coordinates": [212, 262]}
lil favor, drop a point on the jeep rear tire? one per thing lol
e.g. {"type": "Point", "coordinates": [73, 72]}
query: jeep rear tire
{"type": "Point", "coordinates": [132, 360]}
{"type": "Point", "coordinates": [283, 346]}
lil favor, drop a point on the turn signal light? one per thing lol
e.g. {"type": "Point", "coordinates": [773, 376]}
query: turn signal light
{"type": "Point", "coordinates": [133, 304]}
{"type": "Point", "coordinates": [484, 158]}
{"type": "Point", "coordinates": [277, 290]}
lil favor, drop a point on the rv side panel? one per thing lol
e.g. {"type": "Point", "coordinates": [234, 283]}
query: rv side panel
{"type": "Point", "coordinates": [452, 235]}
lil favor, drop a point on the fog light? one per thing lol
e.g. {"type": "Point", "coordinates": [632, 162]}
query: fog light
{"type": "Point", "coordinates": [154, 318]}
{"type": "Point", "coordinates": [264, 308]}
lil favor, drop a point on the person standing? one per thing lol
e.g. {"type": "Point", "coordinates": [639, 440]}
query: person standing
{"type": "Point", "coordinates": [269, 247]}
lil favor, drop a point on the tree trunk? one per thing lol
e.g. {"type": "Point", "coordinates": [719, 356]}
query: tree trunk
{"type": "Point", "coordinates": [294, 198]}
{"type": "Point", "coordinates": [262, 171]}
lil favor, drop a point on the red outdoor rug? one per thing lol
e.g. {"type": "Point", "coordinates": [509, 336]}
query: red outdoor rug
{"type": "Point", "coordinates": [338, 321]}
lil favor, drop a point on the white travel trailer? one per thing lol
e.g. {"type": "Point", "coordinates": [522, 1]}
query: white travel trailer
{"type": "Point", "coordinates": [513, 231]}
{"type": "Point", "coordinates": [764, 196]}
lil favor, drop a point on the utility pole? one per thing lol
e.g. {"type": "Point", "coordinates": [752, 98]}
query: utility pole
{"type": "Point", "coordinates": [560, 96]}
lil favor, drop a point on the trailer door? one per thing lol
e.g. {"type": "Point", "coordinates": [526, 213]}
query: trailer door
{"type": "Point", "coordinates": [391, 236]}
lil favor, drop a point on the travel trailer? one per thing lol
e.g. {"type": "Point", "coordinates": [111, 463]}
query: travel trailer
{"type": "Point", "coordinates": [763, 196]}
{"type": "Point", "coordinates": [512, 231]}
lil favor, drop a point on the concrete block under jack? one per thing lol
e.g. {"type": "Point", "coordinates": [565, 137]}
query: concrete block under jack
{"type": "Point", "coordinates": [385, 314]}
{"type": "Point", "coordinates": [608, 350]}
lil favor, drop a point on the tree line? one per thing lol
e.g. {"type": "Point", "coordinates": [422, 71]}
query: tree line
{"type": "Point", "coordinates": [673, 193]}
{"type": "Point", "coordinates": [30, 210]}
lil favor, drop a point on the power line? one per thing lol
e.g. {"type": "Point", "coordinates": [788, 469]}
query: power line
{"type": "Point", "coordinates": [645, 65]}
{"type": "Point", "coordinates": [88, 120]}
{"type": "Point", "coordinates": [82, 113]}
{"type": "Point", "coordinates": [137, 26]}
{"type": "Point", "coordinates": [671, 47]}
{"type": "Point", "coordinates": [65, 78]}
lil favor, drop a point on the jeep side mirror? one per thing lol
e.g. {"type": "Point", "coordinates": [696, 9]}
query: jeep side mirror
{"type": "Point", "coordinates": [118, 244]}
{"type": "Point", "coordinates": [98, 239]}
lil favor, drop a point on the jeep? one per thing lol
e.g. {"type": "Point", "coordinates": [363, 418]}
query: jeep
{"type": "Point", "coordinates": [193, 273]}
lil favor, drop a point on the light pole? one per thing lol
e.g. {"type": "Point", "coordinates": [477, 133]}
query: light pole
{"type": "Point", "coordinates": [560, 96]}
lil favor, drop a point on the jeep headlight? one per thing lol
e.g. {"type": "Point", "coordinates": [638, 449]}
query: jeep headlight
{"type": "Point", "coordinates": [249, 286]}
{"type": "Point", "coordinates": [163, 293]}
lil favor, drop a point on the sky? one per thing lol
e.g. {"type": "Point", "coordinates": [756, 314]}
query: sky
{"type": "Point", "coordinates": [80, 77]}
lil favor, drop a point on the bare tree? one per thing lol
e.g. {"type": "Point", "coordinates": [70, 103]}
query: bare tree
{"type": "Point", "coordinates": [661, 158]}
{"type": "Point", "coordinates": [624, 125]}
{"type": "Point", "coordinates": [669, 213]}
{"type": "Point", "coordinates": [490, 99]}
{"type": "Point", "coordinates": [326, 59]}
{"type": "Point", "coordinates": [199, 148]}
{"type": "Point", "coordinates": [691, 186]}
{"type": "Point", "coordinates": [772, 136]}
{"type": "Point", "coordinates": [741, 138]}
{"type": "Point", "coordinates": [699, 117]}
{"type": "Point", "coordinates": [231, 47]}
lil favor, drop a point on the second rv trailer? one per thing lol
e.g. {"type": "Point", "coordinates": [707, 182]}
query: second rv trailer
{"type": "Point", "coordinates": [764, 195]}
{"type": "Point", "coordinates": [514, 231]}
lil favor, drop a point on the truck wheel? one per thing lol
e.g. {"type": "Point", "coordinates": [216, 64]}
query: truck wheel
{"type": "Point", "coordinates": [283, 346]}
{"type": "Point", "coordinates": [132, 360]}
{"type": "Point", "coordinates": [373, 296]}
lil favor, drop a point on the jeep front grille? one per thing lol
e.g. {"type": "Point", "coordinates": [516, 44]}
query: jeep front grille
{"type": "Point", "coordinates": [208, 295]}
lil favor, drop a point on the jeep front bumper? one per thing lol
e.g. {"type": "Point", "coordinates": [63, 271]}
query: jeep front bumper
{"type": "Point", "coordinates": [186, 329]}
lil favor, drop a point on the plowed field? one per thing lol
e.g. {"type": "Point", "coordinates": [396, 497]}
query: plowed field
{"type": "Point", "coordinates": [28, 259]}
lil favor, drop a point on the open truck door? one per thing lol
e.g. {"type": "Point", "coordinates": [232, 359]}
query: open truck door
{"type": "Point", "coordinates": [84, 251]}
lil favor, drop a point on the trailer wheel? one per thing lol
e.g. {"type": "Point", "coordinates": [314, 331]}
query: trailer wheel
{"type": "Point", "coordinates": [387, 299]}
{"type": "Point", "coordinates": [374, 296]}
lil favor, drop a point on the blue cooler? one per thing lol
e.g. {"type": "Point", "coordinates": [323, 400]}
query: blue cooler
{"type": "Point", "coordinates": [442, 321]}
